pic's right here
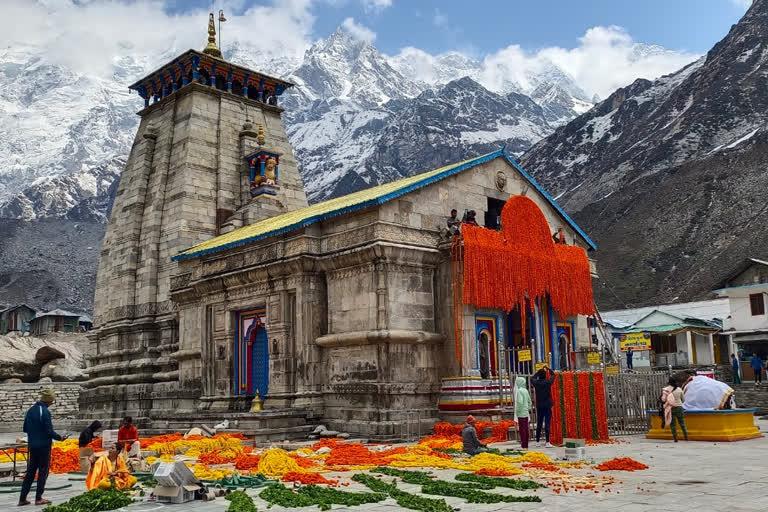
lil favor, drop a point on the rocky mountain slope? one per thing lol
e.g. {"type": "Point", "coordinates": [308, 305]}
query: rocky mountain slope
{"type": "Point", "coordinates": [668, 176]}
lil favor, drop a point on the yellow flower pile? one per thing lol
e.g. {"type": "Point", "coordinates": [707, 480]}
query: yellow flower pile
{"type": "Point", "coordinates": [277, 462]}
{"type": "Point", "coordinates": [67, 446]}
{"type": "Point", "coordinates": [164, 458]}
{"type": "Point", "coordinates": [227, 447]}
{"type": "Point", "coordinates": [205, 473]}
{"type": "Point", "coordinates": [531, 457]}
{"type": "Point", "coordinates": [443, 444]}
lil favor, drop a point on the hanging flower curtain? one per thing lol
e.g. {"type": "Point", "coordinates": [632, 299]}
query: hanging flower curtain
{"type": "Point", "coordinates": [502, 269]}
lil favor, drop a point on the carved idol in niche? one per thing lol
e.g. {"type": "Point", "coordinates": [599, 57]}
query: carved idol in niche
{"type": "Point", "coordinates": [269, 171]}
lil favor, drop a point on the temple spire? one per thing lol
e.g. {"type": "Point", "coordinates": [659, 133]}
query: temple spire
{"type": "Point", "coordinates": [211, 48]}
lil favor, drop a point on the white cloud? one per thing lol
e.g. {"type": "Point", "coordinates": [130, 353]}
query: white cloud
{"type": "Point", "coordinates": [88, 36]}
{"type": "Point", "coordinates": [358, 31]}
{"type": "Point", "coordinates": [376, 5]}
{"type": "Point", "coordinates": [744, 4]}
{"type": "Point", "coordinates": [605, 59]}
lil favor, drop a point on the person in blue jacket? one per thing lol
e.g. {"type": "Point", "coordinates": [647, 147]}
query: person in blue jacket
{"type": "Point", "coordinates": [757, 366]}
{"type": "Point", "coordinates": [40, 435]}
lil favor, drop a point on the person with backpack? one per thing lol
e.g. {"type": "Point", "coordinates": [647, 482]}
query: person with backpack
{"type": "Point", "coordinates": [542, 385]}
{"type": "Point", "coordinates": [674, 401]}
{"type": "Point", "coordinates": [40, 435]}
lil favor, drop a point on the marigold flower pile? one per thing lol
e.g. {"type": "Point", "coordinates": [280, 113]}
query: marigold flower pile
{"type": "Point", "coordinates": [621, 464]}
{"type": "Point", "coordinates": [222, 455]}
{"type": "Point", "coordinates": [65, 457]}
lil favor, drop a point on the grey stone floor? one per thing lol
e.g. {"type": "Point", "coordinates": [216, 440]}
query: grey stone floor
{"type": "Point", "coordinates": [681, 477]}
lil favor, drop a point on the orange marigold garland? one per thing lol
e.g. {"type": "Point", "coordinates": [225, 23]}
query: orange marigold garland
{"type": "Point", "coordinates": [308, 479]}
{"type": "Point", "coordinates": [246, 462]}
{"type": "Point", "coordinates": [600, 412]}
{"type": "Point", "coordinates": [64, 461]}
{"type": "Point", "coordinates": [585, 415]}
{"type": "Point", "coordinates": [445, 429]}
{"type": "Point", "coordinates": [555, 430]}
{"type": "Point", "coordinates": [502, 268]}
{"type": "Point", "coordinates": [569, 396]}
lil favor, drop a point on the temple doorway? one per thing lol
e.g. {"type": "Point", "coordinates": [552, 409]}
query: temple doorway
{"type": "Point", "coordinates": [251, 354]}
{"type": "Point", "coordinates": [486, 339]}
{"type": "Point", "coordinates": [562, 348]}
{"type": "Point", "coordinates": [564, 345]}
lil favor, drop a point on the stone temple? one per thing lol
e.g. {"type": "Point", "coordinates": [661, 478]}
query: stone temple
{"type": "Point", "coordinates": [218, 282]}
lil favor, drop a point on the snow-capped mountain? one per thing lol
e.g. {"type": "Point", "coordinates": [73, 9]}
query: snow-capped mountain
{"type": "Point", "coordinates": [669, 175]}
{"type": "Point", "coordinates": [61, 131]}
{"type": "Point", "coordinates": [356, 118]}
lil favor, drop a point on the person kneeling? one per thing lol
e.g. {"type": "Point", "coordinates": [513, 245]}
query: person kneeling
{"type": "Point", "coordinates": [110, 470]}
{"type": "Point", "coordinates": [471, 443]}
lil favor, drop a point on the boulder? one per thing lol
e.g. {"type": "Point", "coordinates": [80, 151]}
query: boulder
{"type": "Point", "coordinates": [48, 353]}
{"type": "Point", "coordinates": [63, 370]}
{"type": "Point", "coordinates": [343, 435]}
{"type": "Point", "coordinates": [329, 433]}
{"type": "Point", "coordinates": [45, 380]}
{"type": "Point", "coordinates": [319, 428]}
{"type": "Point", "coordinates": [12, 381]}
{"type": "Point", "coordinates": [18, 353]}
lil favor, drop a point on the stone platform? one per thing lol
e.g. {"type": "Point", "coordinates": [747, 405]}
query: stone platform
{"type": "Point", "coordinates": [727, 425]}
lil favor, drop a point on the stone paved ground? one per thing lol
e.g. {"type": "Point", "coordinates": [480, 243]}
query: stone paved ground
{"type": "Point", "coordinates": [681, 477]}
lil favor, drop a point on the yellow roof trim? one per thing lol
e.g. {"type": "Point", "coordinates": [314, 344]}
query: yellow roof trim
{"type": "Point", "coordinates": [330, 208]}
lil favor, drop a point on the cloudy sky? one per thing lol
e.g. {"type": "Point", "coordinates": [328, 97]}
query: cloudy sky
{"type": "Point", "coordinates": [591, 39]}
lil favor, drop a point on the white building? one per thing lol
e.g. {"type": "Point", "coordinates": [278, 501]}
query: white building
{"type": "Point", "coordinates": [747, 322]}
{"type": "Point", "coordinates": [680, 334]}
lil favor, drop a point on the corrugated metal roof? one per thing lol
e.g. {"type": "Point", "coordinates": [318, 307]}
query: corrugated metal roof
{"type": "Point", "coordinates": [57, 312]}
{"type": "Point", "coordinates": [356, 201]}
{"type": "Point", "coordinates": [703, 310]}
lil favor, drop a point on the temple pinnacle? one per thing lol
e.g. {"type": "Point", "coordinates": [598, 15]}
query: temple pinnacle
{"type": "Point", "coordinates": [211, 48]}
{"type": "Point", "coordinates": [260, 137]}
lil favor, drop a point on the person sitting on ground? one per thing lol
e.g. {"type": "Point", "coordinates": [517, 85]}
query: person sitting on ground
{"type": "Point", "coordinates": [86, 436]}
{"type": "Point", "coordinates": [472, 444]}
{"type": "Point", "coordinates": [128, 435]}
{"type": "Point", "coordinates": [109, 470]}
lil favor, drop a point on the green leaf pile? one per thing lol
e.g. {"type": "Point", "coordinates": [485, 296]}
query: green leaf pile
{"type": "Point", "coordinates": [442, 488]}
{"type": "Point", "coordinates": [323, 497]}
{"type": "Point", "coordinates": [97, 500]}
{"type": "Point", "coordinates": [520, 485]}
{"type": "Point", "coordinates": [240, 502]}
{"type": "Point", "coordinates": [404, 499]}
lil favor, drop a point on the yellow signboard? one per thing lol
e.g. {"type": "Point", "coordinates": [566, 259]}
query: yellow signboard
{"type": "Point", "coordinates": [593, 358]}
{"type": "Point", "coordinates": [524, 355]}
{"type": "Point", "coordinates": [612, 369]}
{"type": "Point", "coordinates": [636, 340]}
{"type": "Point", "coordinates": [539, 366]}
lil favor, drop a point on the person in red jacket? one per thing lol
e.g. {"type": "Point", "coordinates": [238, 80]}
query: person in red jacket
{"type": "Point", "coordinates": [128, 436]}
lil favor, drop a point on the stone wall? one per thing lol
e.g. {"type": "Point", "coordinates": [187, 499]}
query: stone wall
{"type": "Point", "coordinates": [15, 399]}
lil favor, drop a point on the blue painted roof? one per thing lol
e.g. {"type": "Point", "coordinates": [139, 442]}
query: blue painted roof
{"type": "Point", "coordinates": [356, 201]}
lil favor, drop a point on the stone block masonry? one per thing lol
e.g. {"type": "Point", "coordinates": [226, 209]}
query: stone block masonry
{"type": "Point", "coordinates": [15, 399]}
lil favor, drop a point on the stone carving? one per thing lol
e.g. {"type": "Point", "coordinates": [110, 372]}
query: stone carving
{"type": "Point", "coordinates": [269, 171]}
{"type": "Point", "coordinates": [501, 180]}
